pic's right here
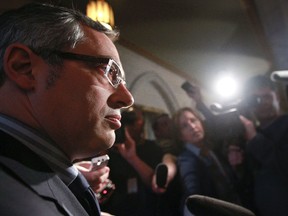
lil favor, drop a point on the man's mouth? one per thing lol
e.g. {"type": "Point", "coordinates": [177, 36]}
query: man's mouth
{"type": "Point", "coordinates": [114, 121]}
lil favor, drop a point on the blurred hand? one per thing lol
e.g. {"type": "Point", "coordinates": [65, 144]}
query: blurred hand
{"type": "Point", "coordinates": [97, 179]}
{"type": "Point", "coordinates": [250, 130]}
{"type": "Point", "coordinates": [128, 151]}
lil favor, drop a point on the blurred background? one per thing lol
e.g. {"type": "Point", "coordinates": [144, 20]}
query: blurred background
{"type": "Point", "coordinates": [215, 45]}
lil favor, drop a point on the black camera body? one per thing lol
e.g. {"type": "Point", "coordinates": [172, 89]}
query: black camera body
{"type": "Point", "coordinates": [188, 87]}
{"type": "Point", "coordinates": [231, 125]}
{"type": "Point", "coordinates": [228, 117]}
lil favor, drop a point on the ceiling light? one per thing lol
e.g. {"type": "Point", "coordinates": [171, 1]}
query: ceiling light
{"type": "Point", "coordinates": [101, 11]}
{"type": "Point", "coordinates": [227, 87]}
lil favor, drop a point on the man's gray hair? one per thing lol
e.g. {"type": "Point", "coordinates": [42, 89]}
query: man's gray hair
{"type": "Point", "coordinates": [45, 27]}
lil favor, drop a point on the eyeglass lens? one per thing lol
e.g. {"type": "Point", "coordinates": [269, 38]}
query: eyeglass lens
{"type": "Point", "coordinates": [114, 73]}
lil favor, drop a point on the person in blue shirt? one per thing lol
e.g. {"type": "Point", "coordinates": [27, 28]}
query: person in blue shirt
{"type": "Point", "coordinates": [200, 170]}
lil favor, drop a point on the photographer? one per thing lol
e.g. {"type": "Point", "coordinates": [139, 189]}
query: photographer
{"type": "Point", "coordinates": [268, 146]}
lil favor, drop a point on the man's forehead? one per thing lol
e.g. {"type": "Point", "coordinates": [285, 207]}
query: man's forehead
{"type": "Point", "coordinates": [98, 44]}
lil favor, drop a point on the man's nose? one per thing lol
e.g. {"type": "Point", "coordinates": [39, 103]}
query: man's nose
{"type": "Point", "coordinates": [125, 98]}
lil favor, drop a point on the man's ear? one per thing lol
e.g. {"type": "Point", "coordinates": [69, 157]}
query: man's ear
{"type": "Point", "coordinates": [18, 66]}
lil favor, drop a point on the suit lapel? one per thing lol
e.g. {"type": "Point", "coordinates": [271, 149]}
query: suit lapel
{"type": "Point", "coordinates": [38, 176]}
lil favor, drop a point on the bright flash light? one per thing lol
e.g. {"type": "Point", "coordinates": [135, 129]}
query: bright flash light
{"type": "Point", "coordinates": [226, 87]}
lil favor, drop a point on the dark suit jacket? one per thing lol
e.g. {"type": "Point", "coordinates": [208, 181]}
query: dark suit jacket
{"type": "Point", "coordinates": [29, 187]}
{"type": "Point", "coordinates": [270, 149]}
{"type": "Point", "coordinates": [195, 175]}
{"type": "Point", "coordinates": [201, 178]}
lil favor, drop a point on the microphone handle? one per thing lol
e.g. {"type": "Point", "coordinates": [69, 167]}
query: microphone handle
{"type": "Point", "coordinates": [161, 175]}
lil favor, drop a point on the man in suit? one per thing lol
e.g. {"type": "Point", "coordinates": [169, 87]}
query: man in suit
{"type": "Point", "coordinates": [267, 146]}
{"type": "Point", "coordinates": [62, 88]}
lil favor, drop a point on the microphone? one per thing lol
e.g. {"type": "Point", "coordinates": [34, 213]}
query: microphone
{"type": "Point", "coordinates": [281, 75]}
{"type": "Point", "coordinates": [204, 205]}
{"type": "Point", "coordinates": [161, 175]}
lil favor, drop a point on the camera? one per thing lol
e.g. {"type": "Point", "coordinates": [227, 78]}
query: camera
{"type": "Point", "coordinates": [228, 116]}
{"type": "Point", "coordinates": [106, 192]}
{"type": "Point", "coordinates": [99, 162]}
{"type": "Point", "coordinates": [188, 87]}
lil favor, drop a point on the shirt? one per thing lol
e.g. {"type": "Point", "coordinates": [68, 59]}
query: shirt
{"type": "Point", "coordinates": [207, 161]}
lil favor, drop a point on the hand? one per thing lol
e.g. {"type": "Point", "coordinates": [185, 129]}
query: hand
{"type": "Point", "coordinates": [128, 152]}
{"type": "Point", "coordinates": [249, 127]}
{"type": "Point", "coordinates": [96, 178]}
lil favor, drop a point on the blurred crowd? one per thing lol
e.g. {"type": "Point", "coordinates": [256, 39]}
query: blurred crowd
{"type": "Point", "coordinates": [62, 95]}
{"type": "Point", "coordinates": [237, 156]}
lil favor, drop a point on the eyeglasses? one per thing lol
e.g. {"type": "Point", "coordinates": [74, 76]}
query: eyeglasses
{"type": "Point", "coordinates": [113, 72]}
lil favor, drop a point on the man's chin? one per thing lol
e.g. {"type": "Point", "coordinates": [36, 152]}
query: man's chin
{"type": "Point", "coordinates": [110, 145]}
{"type": "Point", "coordinates": [109, 141]}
